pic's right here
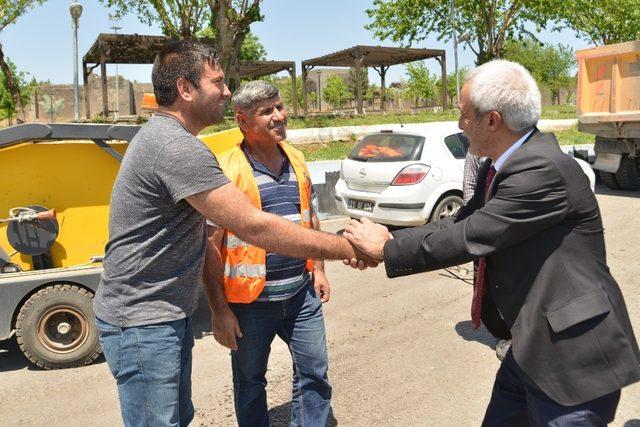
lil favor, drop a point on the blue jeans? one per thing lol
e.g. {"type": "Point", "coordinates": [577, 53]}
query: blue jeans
{"type": "Point", "coordinates": [152, 367]}
{"type": "Point", "coordinates": [300, 324]}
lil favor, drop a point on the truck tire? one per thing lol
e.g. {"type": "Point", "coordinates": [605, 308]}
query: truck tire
{"type": "Point", "coordinates": [627, 175]}
{"type": "Point", "coordinates": [446, 207]}
{"type": "Point", "coordinates": [56, 328]}
{"type": "Point", "coordinates": [609, 179]}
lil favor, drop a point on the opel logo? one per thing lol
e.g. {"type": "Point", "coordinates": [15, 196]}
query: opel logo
{"type": "Point", "coordinates": [363, 173]}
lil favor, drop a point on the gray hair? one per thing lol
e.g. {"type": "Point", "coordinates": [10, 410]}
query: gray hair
{"type": "Point", "coordinates": [508, 88]}
{"type": "Point", "coordinates": [251, 92]}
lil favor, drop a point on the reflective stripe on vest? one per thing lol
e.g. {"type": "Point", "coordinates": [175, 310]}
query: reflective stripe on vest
{"type": "Point", "coordinates": [245, 265]}
{"type": "Point", "coordinates": [245, 270]}
{"type": "Point", "coordinates": [305, 215]}
{"type": "Point", "coordinates": [233, 242]}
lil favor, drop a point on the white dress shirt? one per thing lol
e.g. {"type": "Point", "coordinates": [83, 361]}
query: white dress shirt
{"type": "Point", "coordinates": [497, 164]}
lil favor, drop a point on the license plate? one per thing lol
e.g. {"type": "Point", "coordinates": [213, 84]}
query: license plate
{"type": "Point", "coordinates": [361, 205]}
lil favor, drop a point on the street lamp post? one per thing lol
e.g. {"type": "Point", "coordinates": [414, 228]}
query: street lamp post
{"type": "Point", "coordinates": [455, 48]}
{"type": "Point", "coordinates": [464, 38]}
{"type": "Point", "coordinates": [115, 27]}
{"type": "Point", "coordinates": [76, 10]}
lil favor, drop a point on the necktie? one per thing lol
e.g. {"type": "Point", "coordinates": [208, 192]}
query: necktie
{"type": "Point", "coordinates": [478, 289]}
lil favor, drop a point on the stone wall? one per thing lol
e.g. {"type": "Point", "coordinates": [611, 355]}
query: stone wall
{"type": "Point", "coordinates": [130, 99]}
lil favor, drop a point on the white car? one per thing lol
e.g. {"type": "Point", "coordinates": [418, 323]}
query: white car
{"type": "Point", "coordinates": [406, 178]}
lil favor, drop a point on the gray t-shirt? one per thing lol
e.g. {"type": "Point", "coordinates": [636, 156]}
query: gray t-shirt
{"type": "Point", "coordinates": [155, 255]}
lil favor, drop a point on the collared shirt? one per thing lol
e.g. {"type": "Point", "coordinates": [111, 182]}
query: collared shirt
{"type": "Point", "coordinates": [497, 164]}
{"type": "Point", "coordinates": [470, 176]}
{"type": "Point", "coordinates": [280, 195]}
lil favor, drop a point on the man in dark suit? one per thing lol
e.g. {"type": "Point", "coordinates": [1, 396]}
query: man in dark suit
{"type": "Point", "coordinates": [534, 226]}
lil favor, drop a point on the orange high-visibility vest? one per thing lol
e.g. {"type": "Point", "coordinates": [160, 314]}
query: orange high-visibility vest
{"type": "Point", "coordinates": [245, 267]}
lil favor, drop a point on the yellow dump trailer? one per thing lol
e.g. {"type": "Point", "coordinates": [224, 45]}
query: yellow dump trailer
{"type": "Point", "coordinates": [608, 104]}
{"type": "Point", "coordinates": [46, 289]}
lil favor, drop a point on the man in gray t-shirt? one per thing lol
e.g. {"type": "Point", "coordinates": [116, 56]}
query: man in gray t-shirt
{"type": "Point", "coordinates": [154, 259]}
{"type": "Point", "coordinates": [155, 254]}
{"type": "Point", "coordinates": [168, 183]}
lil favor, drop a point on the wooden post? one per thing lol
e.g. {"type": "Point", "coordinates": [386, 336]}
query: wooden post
{"type": "Point", "coordinates": [103, 78]}
{"type": "Point", "coordinates": [358, 63]}
{"type": "Point", "coordinates": [382, 87]}
{"type": "Point", "coordinates": [86, 91]}
{"type": "Point", "coordinates": [305, 107]}
{"type": "Point", "coordinates": [132, 100]}
{"type": "Point", "coordinates": [443, 64]}
{"type": "Point", "coordinates": [382, 72]}
{"type": "Point", "coordinates": [35, 103]}
{"type": "Point", "coordinates": [294, 93]}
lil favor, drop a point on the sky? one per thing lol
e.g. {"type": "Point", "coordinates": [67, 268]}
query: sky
{"type": "Point", "coordinates": [41, 41]}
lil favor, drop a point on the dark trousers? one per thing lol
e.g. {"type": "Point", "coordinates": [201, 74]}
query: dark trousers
{"type": "Point", "coordinates": [515, 401]}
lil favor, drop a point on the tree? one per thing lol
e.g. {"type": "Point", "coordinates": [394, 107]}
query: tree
{"type": "Point", "coordinates": [7, 103]}
{"type": "Point", "coordinates": [421, 85]}
{"type": "Point", "coordinates": [335, 91]}
{"type": "Point", "coordinates": [364, 81]}
{"type": "Point", "coordinates": [490, 22]}
{"type": "Point", "coordinates": [550, 65]}
{"type": "Point", "coordinates": [286, 90]}
{"type": "Point", "coordinates": [229, 21]}
{"type": "Point", "coordinates": [452, 89]}
{"type": "Point", "coordinates": [178, 19]}
{"type": "Point", "coordinates": [251, 49]}
{"type": "Point", "coordinates": [10, 11]}
{"type": "Point", "coordinates": [51, 105]}
{"type": "Point", "coordinates": [602, 21]}
{"type": "Point", "coordinates": [394, 93]}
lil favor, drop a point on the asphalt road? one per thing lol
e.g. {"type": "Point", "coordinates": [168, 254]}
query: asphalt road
{"type": "Point", "coordinates": [402, 352]}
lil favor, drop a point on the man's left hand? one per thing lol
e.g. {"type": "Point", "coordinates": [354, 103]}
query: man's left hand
{"type": "Point", "coordinates": [368, 237]}
{"type": "Point", "coordinates": [321, 285]}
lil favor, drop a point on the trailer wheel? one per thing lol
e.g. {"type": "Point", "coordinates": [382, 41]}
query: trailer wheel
{"type": "Point", "coordinates": [609, 179]}
{"type": "Point", "coordinates": [627, 175]}
{"type": "Point", "coordinates": [56, 328]}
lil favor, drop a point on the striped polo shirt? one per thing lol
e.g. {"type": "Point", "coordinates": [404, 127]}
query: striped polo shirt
{"type": "Point", "coordinates": [280, 195]}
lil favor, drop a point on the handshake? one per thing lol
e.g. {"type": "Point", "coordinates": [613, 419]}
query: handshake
{"type": "Point", "coordinates": [367, 239]}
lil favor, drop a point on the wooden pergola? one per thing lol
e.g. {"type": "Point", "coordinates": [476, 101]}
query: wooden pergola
{"type": "Point", "coordinates": [142, 49]}
{"type": "Point", "coordinates": [378, 57]}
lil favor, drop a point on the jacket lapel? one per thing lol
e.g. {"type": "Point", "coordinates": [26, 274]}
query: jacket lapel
{"type": "Point", "coordinates": [492, 187]}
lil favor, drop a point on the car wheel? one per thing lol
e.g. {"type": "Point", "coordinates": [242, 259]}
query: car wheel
{"type": "Point", "coordinates": [609, 179]}
{"type": "Point", "coordinates": [448, 206]}
{"type": "Point", "coordinates": [56, 328]}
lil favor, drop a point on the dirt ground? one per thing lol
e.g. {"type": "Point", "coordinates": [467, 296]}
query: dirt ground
{"type": "Point", "coordinates": [402, 352]}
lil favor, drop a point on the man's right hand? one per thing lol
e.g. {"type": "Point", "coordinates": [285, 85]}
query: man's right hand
{"type": "Point", "coordinates": [266, 230]}
{"type": "Point", "coordinates": [362, 261]}
{"type": "Point", "coordinates": [226, 328]}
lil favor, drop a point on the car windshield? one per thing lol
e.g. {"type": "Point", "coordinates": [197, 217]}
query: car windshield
{"type": "Point", "coordinates": [388, 147]}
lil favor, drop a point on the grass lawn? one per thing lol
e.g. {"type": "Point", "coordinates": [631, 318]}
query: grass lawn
{"type": "Point", "coordinates": [330, 120]}
{"type": "Point", "coordinates": [338, 150]}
